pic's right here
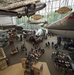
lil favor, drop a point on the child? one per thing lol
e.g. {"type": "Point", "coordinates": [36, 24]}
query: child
{"type": "Point", "coordinates": [52, 44]}
{"type": "Point", "coordinates": [48, 43]}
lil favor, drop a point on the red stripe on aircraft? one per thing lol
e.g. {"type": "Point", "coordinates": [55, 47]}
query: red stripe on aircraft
{"type": "Point", "coordinates": [70, 17]}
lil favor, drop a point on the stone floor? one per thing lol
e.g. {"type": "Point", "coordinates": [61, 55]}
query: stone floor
{"type": "Point", "coordinates": [46, 57]}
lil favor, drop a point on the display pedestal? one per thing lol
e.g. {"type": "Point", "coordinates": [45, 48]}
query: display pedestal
{"type": "Point", "coordinates": [3, 63]}
{"type": "Point", "coordinates": [18, 70]}
{"type": "Point", "coordinates": [13, 70]}
{"type": "Point", "coordinates": [39, 71]}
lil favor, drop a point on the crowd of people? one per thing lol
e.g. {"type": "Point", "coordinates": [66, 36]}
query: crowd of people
{"type": "Point", "coordinates": [61, 61]}
{"type": "Point", "coordinates": [35, 54]}
{"type": "Point", "coordinates": [48, 44]}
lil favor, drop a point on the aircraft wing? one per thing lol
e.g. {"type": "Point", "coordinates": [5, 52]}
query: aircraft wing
{"type": "Point", "coordinates": [8, 12]}
{"type": "Point", "coordinates": [13, 13]}
{"type": "Point", "coordinates": [22, 8]}
{"type": "Point", "coordinates": [18, 4]}
{"type": "Point", "coordinates": [19, 11]}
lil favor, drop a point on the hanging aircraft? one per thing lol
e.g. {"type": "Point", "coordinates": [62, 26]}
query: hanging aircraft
{"type": "Point", "coordinates": [22, 8]}
{"type": "Point", "coordinates": [64, 27]}
{"type": "Point", "coordinates": [38, 22]}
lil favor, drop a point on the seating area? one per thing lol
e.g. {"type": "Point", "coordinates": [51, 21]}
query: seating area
{"type": "Point", "coordinates": [35, 54]}
{"type": "Point", "coordinates": [62, 61]}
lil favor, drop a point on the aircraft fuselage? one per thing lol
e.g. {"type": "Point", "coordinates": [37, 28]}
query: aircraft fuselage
{"type": "Point", "coordinates": [64, 27]}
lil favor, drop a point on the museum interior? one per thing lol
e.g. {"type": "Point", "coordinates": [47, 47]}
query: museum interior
{"type": "Point", "coordinates": [36, 37]}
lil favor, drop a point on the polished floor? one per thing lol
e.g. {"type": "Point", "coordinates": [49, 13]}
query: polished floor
{"type": "Point", "coordinates": [46, 57]}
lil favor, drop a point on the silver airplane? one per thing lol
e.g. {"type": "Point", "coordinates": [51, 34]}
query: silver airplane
{"type": "Point", "coordinates": [64, 27]}
{"type": "Point", "coordinates": [22, 8]}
